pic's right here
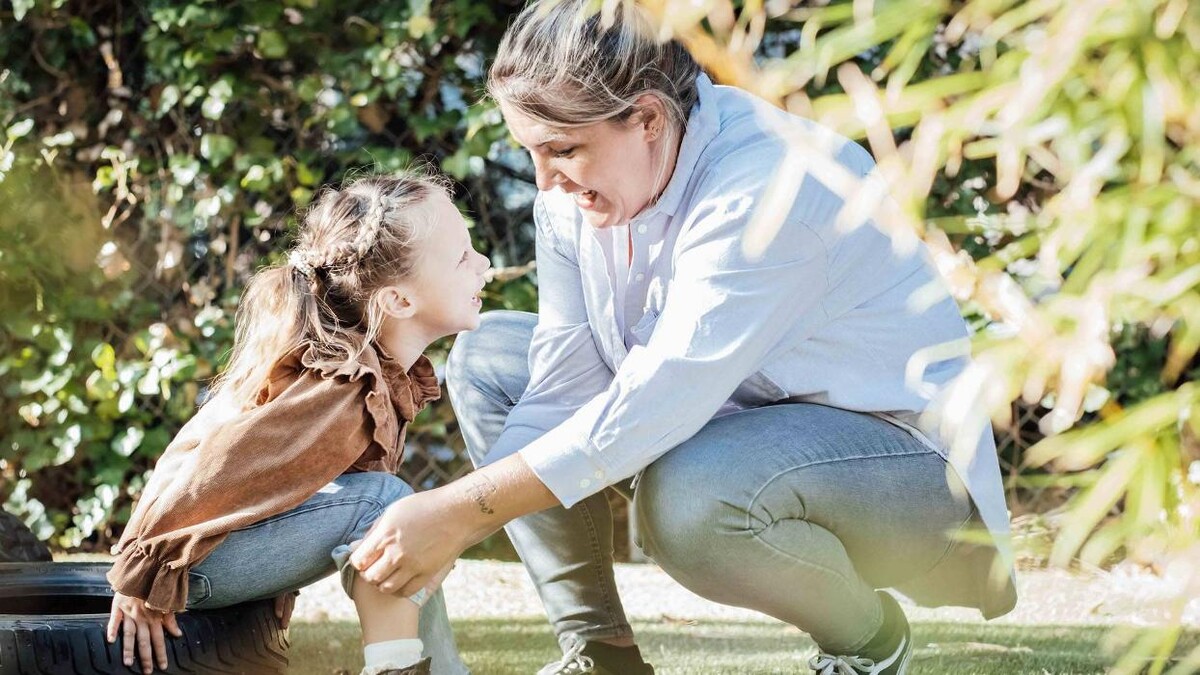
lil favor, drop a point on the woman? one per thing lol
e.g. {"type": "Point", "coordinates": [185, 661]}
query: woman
{"type": "Point", "coordinates": [781, 457]}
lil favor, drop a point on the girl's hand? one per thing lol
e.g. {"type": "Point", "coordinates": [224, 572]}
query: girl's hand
{"type": "Point", "coordinates": [284, 604]}
{"type": "Point", "coordinates": [141, 627]}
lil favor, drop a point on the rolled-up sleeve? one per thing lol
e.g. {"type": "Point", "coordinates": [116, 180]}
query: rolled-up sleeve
{"type": "Point", "coordinates": [723, 315]}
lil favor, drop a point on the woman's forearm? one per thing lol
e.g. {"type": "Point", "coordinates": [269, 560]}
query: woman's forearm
{"type": "Point", "coordinates": [490, 497]}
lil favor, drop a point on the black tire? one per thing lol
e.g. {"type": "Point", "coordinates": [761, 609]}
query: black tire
{"type": "Point", "coordinates": [53, 618]}
{"type": "Point", "coordinates": [17, 543]}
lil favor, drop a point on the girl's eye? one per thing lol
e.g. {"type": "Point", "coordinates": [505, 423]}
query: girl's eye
{"type": "Point", "coordinates": [566, 152]}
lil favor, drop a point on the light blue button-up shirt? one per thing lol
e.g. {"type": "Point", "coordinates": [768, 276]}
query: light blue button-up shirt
{"type": "Point", "coordinates": [633, 355]}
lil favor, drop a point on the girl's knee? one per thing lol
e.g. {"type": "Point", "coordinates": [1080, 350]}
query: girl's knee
{"type": "Point", "coordinates": [393, 488]}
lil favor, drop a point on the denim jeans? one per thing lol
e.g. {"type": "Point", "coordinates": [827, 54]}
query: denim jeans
{"type": "Point", "coordinates": [796, 510]}
{"type": "Point", "coordinates": [294, 549]}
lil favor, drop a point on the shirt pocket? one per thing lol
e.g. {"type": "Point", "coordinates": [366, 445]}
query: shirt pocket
{"type": "Point", "coordinates": [644, 328]}
{"type": "Point", "coordinates": [758, 390]}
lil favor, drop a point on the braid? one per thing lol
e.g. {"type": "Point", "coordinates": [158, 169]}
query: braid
{"type": "Point", "coordinates": [342, 257]}
{"type": "Point", "coordinates": [368, 230]}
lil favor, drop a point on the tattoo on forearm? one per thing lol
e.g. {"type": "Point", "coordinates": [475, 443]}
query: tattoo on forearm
{"type": "Point", "coordinates": [481, 489]}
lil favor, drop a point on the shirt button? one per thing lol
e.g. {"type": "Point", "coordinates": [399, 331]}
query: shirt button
{"type": "Point", "coordinates": [642, 228]}
{"type": "Point", "coordinates": [585, 483]}
{"type": "Point", "coordinates": [599, 474]}
{"type": "Point", "coordinates": [640, 276]}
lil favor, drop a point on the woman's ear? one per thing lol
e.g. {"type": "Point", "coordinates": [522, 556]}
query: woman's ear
{"type": "Point", "coordinates": [395, 302]}
{"type": "Point", "coordinates": [651, 116]}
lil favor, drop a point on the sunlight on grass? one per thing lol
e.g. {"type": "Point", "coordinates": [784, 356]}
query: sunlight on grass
{"type": "Point", "coordinates": [521, 646]}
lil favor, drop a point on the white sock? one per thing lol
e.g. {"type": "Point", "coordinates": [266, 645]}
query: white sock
{"type": "Point", "coordinates": [393, 654]}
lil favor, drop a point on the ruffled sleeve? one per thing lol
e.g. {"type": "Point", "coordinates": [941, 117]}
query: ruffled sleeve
{"type": "Point", "coordinates": [154, 576]}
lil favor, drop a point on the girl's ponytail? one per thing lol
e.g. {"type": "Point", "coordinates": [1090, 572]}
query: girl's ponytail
{"type": "Point", "coordinates": [270, 322]}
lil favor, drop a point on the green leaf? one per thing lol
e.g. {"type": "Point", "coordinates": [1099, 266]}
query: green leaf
{"type": "Point", "coordinates": [217, 148]}
{"type": "Point", "coordinates": [306, 175]}
{"type": "Point", "coordinates": [272, 44]}
{"type": "Point", "coordinates": [128, 441]}
{"type": "Point", "coordinates": [21, 7]}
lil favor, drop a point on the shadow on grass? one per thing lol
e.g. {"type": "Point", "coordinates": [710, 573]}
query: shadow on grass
{"type": "Point", "coordinates": [522, 646]}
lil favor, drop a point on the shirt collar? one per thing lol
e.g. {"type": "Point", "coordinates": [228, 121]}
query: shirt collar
{"type": "Point", "coordinates": [704, 121]}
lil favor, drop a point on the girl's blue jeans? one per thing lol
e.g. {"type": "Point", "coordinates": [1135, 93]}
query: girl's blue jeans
{"type": "Point", "coordinates": [294, 549]}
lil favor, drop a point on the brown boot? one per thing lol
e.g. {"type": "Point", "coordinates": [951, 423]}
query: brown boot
{"type": "Point", "coordinates": [419, 668]}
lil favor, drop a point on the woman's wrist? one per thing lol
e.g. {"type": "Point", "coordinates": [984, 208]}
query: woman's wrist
{"type": "Point", "coordinates": [488, 498]}
{"type": "Point", "coordinates": [473, 503]}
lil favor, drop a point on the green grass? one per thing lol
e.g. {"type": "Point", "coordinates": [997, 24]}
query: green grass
{"type": "Point", "coordinates": [521, 646]}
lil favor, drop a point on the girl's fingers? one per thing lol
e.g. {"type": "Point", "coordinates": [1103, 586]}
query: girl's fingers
{"type": "Point", "coordinates": [172, 625]}
{"type": "Point", "coordinates": [129, 640]}
{"type": "Point", "coordinates": [114, 622]}
{"type": "Point", "coordinates": [364, 555]}
{"type": "Point", "coordinates": [372, 572]}
{"type": "Point", "coordinates": [145, 650]}
{"type": "Point", "coordinates": [160, 645]}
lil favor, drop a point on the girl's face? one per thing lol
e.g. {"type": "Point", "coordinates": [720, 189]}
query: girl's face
{"type": "Point", "coordinates": [613, 169]}
{"type": "Point", "coordinates": [442, 294]}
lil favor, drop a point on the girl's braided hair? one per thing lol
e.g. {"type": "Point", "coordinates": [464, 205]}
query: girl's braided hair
{"type": "Point", "coordinates": [354, 240]}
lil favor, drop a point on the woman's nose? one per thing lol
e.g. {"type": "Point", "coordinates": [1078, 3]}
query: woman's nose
{"type": "Point", "coordinates": [545, 176]}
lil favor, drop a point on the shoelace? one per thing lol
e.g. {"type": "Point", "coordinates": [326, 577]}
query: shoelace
{"type": "Point", "coordinates": [832, 664]}
{"type": "Point", "coordinates": [573, 657]}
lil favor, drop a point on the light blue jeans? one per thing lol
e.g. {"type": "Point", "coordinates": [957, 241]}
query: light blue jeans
{"type": "Point", "coordinates": [796, 510]}
{"type": "Point", "coordinates": [289, 551]}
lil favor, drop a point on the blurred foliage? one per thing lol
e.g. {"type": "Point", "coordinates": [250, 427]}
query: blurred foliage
{"type": "Point", "coordinates": [1086, 296]}
{"type": "Point", "coordinates": [153, 155]}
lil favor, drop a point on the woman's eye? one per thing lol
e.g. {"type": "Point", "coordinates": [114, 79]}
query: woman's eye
{"type": "Point", "coordinates": [565, 152]}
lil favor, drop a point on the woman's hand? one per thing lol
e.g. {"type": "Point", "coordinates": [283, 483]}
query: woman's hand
{"type": "Point", "coordinates": [141, 627]}
{"type": "Point", "coordinates": [420, 536]}
{"type": "Point", "coordinates": [411, 546]}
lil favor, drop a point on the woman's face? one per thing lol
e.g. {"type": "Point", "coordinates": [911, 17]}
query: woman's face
{"type": "Point", "coordinates": [612, 169]}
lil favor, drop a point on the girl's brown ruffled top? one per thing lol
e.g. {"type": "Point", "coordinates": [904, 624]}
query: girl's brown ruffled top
{"type": "Point", "coordinates": [230, 468]}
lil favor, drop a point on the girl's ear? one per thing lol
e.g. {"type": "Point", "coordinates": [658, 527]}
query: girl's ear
{"type": "Point", "coordinates": [395, 302]}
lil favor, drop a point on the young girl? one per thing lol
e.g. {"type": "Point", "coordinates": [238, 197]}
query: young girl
{"type": "Point", "coordinates": [292, 459]}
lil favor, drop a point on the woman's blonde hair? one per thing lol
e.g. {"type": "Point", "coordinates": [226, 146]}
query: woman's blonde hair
{"type": "Point", "coordinates": [562, 64]}
{"type": "Point", "coordinates": [353, 241]}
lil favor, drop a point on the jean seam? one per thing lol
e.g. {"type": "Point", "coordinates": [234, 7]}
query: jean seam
{"type": "Point", "coordinates": [302, 509]}
{"type": "Point", "coordinates": [483, 392]}
{"type": "Point", "coordinates": [755, 532]}
{"type": "Point", "coordinates": [208, 591]}
{"type": "Point", "coordinates": [950, 544]}
{"type": "Point", "coordinates": [598, 563]}
{"type": "Point", "coordinates": [770, 481]}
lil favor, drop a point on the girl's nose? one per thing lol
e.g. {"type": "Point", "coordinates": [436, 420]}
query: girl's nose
{"type": "Point", "coordinates": [484, 263]}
